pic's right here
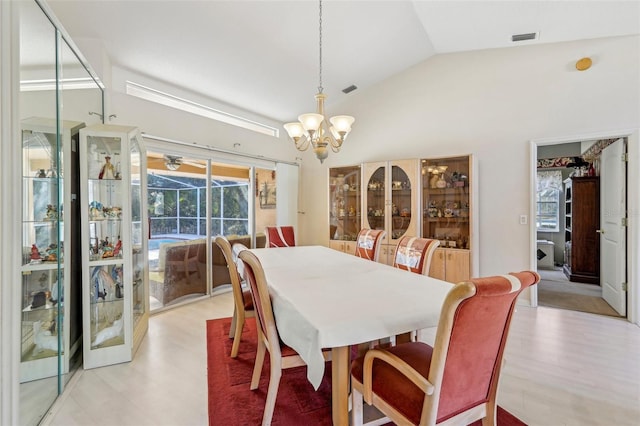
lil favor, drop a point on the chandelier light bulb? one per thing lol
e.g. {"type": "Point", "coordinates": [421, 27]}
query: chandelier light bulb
{"type": "Point", "coordinates": [342, 123]}
{"type": "Point", "coordinates": [294, 130]}
{"type": "Point", "coordinates": [311, 121]}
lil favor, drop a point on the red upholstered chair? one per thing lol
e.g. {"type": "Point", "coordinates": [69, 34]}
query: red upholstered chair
{"type": "Point", "coordinates": [414, 254]}
{"type": "Point", "coordinates": [456, 380]}
{"type": "Point", "coordinates": [280, 355]}
{"type": "Point", "coordinates": [243, 304]}
{"type": "Point", "coordinates": [280, 236]}
{"type": "Point", "coordinates": [368, 243]}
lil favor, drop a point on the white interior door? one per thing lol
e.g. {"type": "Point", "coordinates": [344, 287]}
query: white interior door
{"type": "Point", "coordinates": [613, 263]}
{"type": "Point", "coordinates": [287, 195]}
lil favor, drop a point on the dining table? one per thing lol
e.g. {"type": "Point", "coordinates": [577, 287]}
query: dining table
{"type": "Point", "coordinates": [323, 298]}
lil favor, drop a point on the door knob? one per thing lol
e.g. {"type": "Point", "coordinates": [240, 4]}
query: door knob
{"type": "Point", "coordinates": [600, 231]}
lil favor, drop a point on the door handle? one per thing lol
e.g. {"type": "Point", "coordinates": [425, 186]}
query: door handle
{"type": "Point", "coordinates": [600, 231]}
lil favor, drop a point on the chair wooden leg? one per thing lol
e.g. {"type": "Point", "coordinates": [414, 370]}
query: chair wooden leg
{"type": "Point", "coordinates": [237, 336]}
{"type": "Point", "coordinates": [257, 365]}
{"type": "Point", "coordinates": [272, 394]}
{"type": "Point", "coordinates": [356, 408]}
{"type": "Point", "coordinates": [234, 319]}
{"type": "Point", "coordinates": [491, 419]}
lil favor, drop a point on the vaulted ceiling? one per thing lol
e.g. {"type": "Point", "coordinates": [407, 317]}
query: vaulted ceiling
{"type": "Point", "coordinates": [262, 56]}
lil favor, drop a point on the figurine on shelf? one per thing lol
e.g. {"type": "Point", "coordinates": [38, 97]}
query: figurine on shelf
{"type": "Point", "coordinates": [118, 247]}
{"type": "Point", "coordinates": [106, 247]}
{"type": "Point", "coordinates": [43, 339]}
{"type": "Point", "coordinates": [103, 285]}
{"type": "Point", "coordinates": [96, 210]}
{"type": "Point", "coordinates": [35, 254]}
{"type": "Point", "coordinates": [41, 173]}
{"type": "Point", "coordinates": [52, 212]}
{"type": "Point", "coordinates": [51, 253]}
{"type": "Point", "coordinates": [434, 180]}
{"type": "Point", "coordinates": [107, 171]}
{"type": "Point", "coordinates": [112, 212]}
{"type": "Point", "coordinates": [110, 332]}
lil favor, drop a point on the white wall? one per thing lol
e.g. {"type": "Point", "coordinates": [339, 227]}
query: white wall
{"type": "Point", "coordinates": [174, 124]}
{"type": "Point", "coordinates": [490, 103]}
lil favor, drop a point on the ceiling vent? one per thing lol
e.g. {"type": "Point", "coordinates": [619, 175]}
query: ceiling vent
{"type": "Point", "coordinates": [523, 37]}
{"type": "Point", "coordinates": [349, 89]}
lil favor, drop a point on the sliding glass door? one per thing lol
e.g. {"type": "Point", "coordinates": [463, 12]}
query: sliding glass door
{"type": "Point", "coordinates": [192, 198]}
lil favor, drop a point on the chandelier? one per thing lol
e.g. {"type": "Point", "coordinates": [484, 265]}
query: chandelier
{"type": "Point", "coordinates": [312, 128]}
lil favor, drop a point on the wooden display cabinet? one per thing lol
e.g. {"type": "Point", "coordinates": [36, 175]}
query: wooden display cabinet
{"type": "Point", "coordinates": [448, 215]}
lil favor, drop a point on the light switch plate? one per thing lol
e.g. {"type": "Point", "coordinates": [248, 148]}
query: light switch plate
{"type": "Point", "coordinates": [523, 219]}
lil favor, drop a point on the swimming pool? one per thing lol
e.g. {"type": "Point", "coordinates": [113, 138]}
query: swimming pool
{"type": "Point", "coordinates": [155, 244]}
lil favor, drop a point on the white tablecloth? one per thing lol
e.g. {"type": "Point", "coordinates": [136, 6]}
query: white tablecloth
{"type": "Point", "coordinates": [323, 298]}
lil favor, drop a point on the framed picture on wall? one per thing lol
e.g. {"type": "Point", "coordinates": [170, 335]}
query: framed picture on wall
{"type": "Point", "coordinates": [267, 196]}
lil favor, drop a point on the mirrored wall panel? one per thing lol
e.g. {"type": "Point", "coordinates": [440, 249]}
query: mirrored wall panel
{"type": "Point", "coordinates": [58, 97]}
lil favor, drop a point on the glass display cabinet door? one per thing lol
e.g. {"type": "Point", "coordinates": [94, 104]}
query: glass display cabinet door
{"type": "Point", "coordinates": [376, 199]}
{"type": "Point", "coordinates": [446, 197]}
{"type": "Point", "coordinates": [138, 247]}
{"type": "Point", "coordinates": [448, 216]}
{"type": "Point", "coordinates": [401, 202]}
{"type": "Point", "coordinates": [345, 203]}
{"type": "Point", "coordinates": [105, 189]}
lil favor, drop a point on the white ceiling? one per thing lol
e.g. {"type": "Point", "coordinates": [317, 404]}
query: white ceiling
{"type": "Point", "coordinates": [263, 55]}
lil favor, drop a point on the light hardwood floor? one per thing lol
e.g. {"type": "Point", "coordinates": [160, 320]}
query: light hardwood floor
{"type": "Point", "coordinates": [562, 368]}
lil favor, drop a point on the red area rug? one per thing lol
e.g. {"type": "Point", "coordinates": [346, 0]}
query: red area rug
{"type": "Point", "coordinates": [231, 403]}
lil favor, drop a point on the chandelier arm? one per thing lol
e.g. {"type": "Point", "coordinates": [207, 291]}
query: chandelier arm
{"type": "Point", "coordinates": [336, 144]}
{"type": "Point", "coordinates": [302, 144]}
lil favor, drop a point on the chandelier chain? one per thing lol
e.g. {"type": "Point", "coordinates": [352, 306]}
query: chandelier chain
{"type": "Point", "coordinates": [320, 49]}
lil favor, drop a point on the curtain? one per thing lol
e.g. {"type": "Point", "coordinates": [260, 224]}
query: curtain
{"type": "Point", "coordinates": [550, 180]}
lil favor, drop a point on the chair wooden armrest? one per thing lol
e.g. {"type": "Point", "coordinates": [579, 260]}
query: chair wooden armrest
{"type": "Point", "coordinates": [396, 362]}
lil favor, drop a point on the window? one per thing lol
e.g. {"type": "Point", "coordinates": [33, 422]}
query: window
{"type": "Point", "coordinates": [549, 184]}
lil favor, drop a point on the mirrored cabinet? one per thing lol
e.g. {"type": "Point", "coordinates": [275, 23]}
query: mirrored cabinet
{"type": "Point", "coordinates": [114, 243]}
{"type": "Point", "coordinates": [391, 201]}
{"type": "Point", "coordinates": [448, 215]}
{"type": "Point", "coordinates": [49, 152]}
{"type": "Point", "coordinates": [345, 207]}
